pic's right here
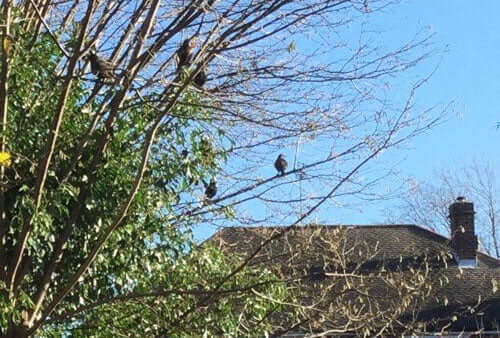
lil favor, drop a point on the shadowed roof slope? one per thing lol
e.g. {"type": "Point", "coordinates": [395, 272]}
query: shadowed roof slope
{"type": "Point", "coordinates": [466, 297]}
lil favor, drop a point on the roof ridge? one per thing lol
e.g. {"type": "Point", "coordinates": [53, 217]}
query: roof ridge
{"type": "Point", "coordinates": [326, 225]}
{"type": "Point", "coordinates": [413, 227]}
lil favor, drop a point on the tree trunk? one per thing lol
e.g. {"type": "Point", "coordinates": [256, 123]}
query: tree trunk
{"type": "Point", "coordinates": [16, 331]}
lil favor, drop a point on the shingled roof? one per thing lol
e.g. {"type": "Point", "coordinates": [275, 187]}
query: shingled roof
{"type": "Point", "coordinates": [456, 299]}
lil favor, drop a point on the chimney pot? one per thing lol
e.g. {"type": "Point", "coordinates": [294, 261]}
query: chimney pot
{"type": "Point", "coordinates": [463, 237]}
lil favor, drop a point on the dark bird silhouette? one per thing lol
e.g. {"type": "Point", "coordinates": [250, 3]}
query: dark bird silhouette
{"type": "Point", "coordinates": [184, 53]}
{"type": "Point", "coordinates": [101, 67]}
{"type": "Point", "coordinates": [200, 78]}
{"type": "Point", "coordinates": [280, 164]}
{"type": "Point", "coordinates": [210, 190]}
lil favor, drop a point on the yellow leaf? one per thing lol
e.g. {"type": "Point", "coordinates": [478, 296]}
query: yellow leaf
{"type": "Point", "coordinates": [6, 45]}
{"type": "Point", "coordinates": [5, 159]}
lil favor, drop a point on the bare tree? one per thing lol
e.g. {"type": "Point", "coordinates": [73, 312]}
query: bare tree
{"type": "Point", "coordinates": [350, 280]}
{"type": "Point", "coordinates": [117, 127]}
{"type": "Point", "coordinates": [426, 203]}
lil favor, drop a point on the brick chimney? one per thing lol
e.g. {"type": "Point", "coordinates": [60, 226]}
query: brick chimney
{"type": "Point", "coordinates": [463, 237]}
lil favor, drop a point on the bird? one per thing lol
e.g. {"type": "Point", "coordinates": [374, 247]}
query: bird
{"type": "Point", "coordinates": [280, 164]}
{"type": "Point", "coordinates": [210, 190]}
{"type": "Point", "coordinates": [200, 78]}
{"type": "Point", "coordinates": [184, 53]}
{"type": "Point", "coordinates": [366, 6]}
{"type": "Point", "coordinates": [101, 67]}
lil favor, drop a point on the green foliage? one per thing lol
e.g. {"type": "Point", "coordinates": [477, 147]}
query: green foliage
{"type": "Point", "coordinates": [175, 304]}
{"type": "Point", "coordinates": [151, 251]}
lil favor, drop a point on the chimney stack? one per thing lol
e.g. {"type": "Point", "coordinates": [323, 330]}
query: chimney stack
{"type": "Point", "coordinates": [463, 237]}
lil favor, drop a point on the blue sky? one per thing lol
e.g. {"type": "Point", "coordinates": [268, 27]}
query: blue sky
{"type": "Point", "coordinates": [467, 75]}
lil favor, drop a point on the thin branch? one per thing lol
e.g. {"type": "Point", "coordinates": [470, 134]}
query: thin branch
{"type": "Point", "coordinates": [41, 18]}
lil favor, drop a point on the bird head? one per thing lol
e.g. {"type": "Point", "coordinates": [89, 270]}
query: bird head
{"type": "Point", "coordinates": [193, 42]}
{"type": "Point", "coordinates": [190, 44]}
{"type": "Point", "coordinates": [92, 54]}
{"type": "Point", "coordinates": [212, 182]}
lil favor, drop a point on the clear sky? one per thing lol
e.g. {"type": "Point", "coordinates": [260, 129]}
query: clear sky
{"type": "Point", "coordinates": [467, 75]}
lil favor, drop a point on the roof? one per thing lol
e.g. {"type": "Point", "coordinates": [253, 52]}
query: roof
{"type": "Point", "coordinates": [458, 298]}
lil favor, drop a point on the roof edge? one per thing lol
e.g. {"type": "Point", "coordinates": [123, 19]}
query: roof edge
{"type": "Point", "coordinates": [417, 227]}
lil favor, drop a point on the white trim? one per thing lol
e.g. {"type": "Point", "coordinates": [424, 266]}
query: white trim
{"type": "Point", "coordinates": [452, 334]}
{"type": "Point", "coordinates": [467, 263]}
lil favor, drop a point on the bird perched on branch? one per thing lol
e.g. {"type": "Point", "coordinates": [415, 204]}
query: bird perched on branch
{"type": "Point", "coordinates": [200, 78]}
{"type": "Point", "coordinates": [210, 190]}
{"type": "Point", "coordinates": [100, 67]}
{"type": "Point", "coordinates": [184, 53]}
{"type": "Point", "coordinates": [280, 164]}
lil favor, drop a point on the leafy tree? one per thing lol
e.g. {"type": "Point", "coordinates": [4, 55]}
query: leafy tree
{"type": "Point", "coordinates": [144, 258]}
{"type": "Point", "coordinates": [109, 160]}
